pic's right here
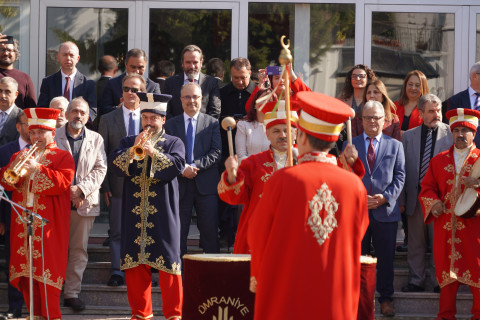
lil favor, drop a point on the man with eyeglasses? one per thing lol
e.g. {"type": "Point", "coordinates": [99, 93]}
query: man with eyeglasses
{"type": "Point", "coordinates": [150, 216]}
{"type": "Point", "coordinates": [384, 162]}
{"type": "Point", "coordinates": [15, 297]}
{"type": "Point", "coordinates": [467, 99]}
{"type": "Point", "coordinates": [9, 53]}
{"type": "Point", "coordinates": [198, 181]}
{"type": "Point", "coordinates": [113, 127]}
{"type": "Point", "coordinates": [136, 61]}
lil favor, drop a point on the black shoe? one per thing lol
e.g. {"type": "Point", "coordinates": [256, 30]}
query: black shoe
{"type": "Point", "coordinates": [12, 314]}
{"type": "Point", "coordinates": [412, 288]}
{"type": "Point", "coordinates": [115, 281]}
{"type": "Point", "coordinates": [74, 303]}
{"type": "Point", "coordinates": [436, 289]}
{"type": "Point", "coordinates": [106, 242]}
{"type": "Point", "coordinates": [402, 248]}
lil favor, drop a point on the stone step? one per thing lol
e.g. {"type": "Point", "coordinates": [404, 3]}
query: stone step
{"type": "Point", "coordinates": [424, 305]}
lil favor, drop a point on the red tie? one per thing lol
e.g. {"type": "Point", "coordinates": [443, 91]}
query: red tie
{"type": "Point", "coordinates": [371, 154]}
{"type": "Point", "coordinates": [66, 92]}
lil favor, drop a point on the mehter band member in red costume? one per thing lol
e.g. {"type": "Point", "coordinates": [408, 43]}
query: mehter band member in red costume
{"type": "Point", "coordinates": [456, 240]}
{"type": "Point", "coordinates": [44, 189]}
{"type": "Point", "coordinates": [306, 231]}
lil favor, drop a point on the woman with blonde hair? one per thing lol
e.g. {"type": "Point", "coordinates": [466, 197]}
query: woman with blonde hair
{"type": "Point", "coordinates": [414, 86]}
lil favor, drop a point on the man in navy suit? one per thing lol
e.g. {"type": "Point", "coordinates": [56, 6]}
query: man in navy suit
{"type": "Point", "coordinates": [192, 60]}
{"type": "Point", "coordinates": [467, 99]}
{"type": "Point", "coordinates": [384, 162]}
{"type": "Point", "coordinates": [78, 84]}
{"type": "Point", "coordinates": [198, 183]}
{"type": "Point", "coordinates": [15, 297]}
{"type": "Point", "coordinates": [135, 62]}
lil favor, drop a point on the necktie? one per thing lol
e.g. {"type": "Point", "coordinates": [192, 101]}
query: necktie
{"type": "Point", "coordinates": [189, 142]}
{"type": "Point", "coordinates": [426, 155]}
{"type": "Point", "coordinates": [476, 104]}
{"type": "Point", "coordinates": [371, 154]}
{"type": "Point", "coordinates": [131, 125]}
{"type": "Point", "coordinates": [66, 92]}
{"type": "Point", "coordinates": [3, 120]}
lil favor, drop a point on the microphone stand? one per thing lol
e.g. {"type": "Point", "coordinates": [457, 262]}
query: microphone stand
{"type": "Point", "coordinates": [30, 218]}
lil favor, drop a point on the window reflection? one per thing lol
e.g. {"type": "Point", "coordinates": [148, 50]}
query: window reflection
{"type": "Point", "coordinates": [171, 30]}
{"type": "Point", "coordinates": [96, 31]}
{"type": "Point", "coordinates": [402, 42]}
{"type": "Point", "coordinates": [14, 22]}
{"type": "Point", "coordinates": [477, 55]}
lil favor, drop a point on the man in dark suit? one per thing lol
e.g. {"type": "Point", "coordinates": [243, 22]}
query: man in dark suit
{"type": "Point", "coordinates": [467, 99]}
{"type": "Point", "coordinates": [192, 60]}
{"type": "Point", "coordinates": [216, 69]}
{"type": "Point", "coordinates": [68, 81]}
{"type": "Point", "coordinates": [108, 67]}
{"type": "Point", "coordinates": [114, 126]}
{"type": "Point", "coordinates": [8, 110]}
{"type": "Point", "coordinates": [161, 71]}
{"type": "Point", "coordinates": [384, 163]}
{"type": "Point", "coordinates": [198, 183]}
{"type": "Point", "coordinates": [135, 62]}
{"type": "Point", "coordinates": [420, 145]}
{"type": "Point", "coordinates": [15, 297]}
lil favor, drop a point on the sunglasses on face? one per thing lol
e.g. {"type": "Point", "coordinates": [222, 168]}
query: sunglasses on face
{"type": "Point", "coordinates": [127, 89]}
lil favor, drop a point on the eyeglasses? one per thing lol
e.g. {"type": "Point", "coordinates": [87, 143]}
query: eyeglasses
{"type": "Point", "coordinates": [127, 89]}
{"type": "Point", "coordinates": [370, 118]}
{"type": "Point", "coordinates": [188, 98]}
{"type": "Point", "coordinates": [6, 50]}
{"type": "Point", "coordinates": [359, 76]}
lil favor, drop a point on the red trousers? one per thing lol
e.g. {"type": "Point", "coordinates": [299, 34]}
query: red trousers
{"type": "Point", "coordinates": [448, 302]}
{"type": "Point", "coordinates": [139, 284]}
{"type": "Point", "coordinates": [39, 299]}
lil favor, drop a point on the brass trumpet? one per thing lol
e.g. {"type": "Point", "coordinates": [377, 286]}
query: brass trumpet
{"type": "Point", "coordinates": [12, 176]}
{"type": "Point", "coordinates": [138, 150]}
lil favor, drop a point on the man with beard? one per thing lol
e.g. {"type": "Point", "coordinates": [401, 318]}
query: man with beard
{"type": "Point", "coordinates": [456, 240]}
{"type": "Point", "coordinates": [420, 145]}
{"type": "Point", "coordinates": [86, 147]}
{"type": "Point", "coordinates": [192, 60]}
{"type": "Point", "coordinates": [9, 53]}
{"type": "Point", "coordinates": [45, 190]}
{"type": "Point", "coordinates": [150, 217]}
{"type": "Point", "coordinates": [135, 63]}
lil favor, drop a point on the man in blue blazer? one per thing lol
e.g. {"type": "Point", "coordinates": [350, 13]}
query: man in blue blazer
{"type": "Point", "coordinates": [198, 182]}
{"type": "Point", "coordinates": [135, 62]}
{"type": "Point", "coordinates": [78, 85]}
{"type": "Point", "coordinates": [15, 297]}
{"type": "Point", "coordinates": [192, 60]}
{"type": "Point", "coordinates": [467, 99]}
{"type": "Point", "coordinates": [384, 162]}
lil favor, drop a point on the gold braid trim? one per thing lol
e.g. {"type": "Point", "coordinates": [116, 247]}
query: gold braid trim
{"type": "Point", "coordinates": [123, 160]}
{"type": "Point", "coordinates": [224, 187]}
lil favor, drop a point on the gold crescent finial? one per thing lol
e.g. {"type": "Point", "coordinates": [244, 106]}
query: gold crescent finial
{"type": "Point", "coordinates": [285, 46]}
{"type": "Point", "coordinates": [285, 57]}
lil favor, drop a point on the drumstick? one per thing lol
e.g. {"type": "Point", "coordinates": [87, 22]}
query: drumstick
{"type": "Point", "coordinates": [228, 124]}
{"type": "Point", "coordinates": [349, 139]}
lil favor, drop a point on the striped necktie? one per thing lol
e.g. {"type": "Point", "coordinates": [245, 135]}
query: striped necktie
{"type": "Point", "coordinates": [427, 151]}
{"type": "Point", "coordinates": [476, 104]}
{"type": "Point", "coordinates": [3, 120]}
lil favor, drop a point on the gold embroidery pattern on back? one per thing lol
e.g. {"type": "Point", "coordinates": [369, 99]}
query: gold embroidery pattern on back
{"type": "Point", "coordinates": [322, 201]}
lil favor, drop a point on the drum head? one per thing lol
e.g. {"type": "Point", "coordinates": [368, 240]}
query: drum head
{"type": "Point", "coordinates": [475, 170]}
{"type": "Point", "coordinates": [468, 204]}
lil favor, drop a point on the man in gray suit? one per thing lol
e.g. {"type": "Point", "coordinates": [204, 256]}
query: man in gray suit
{"type": "Point", "coordinates": [198, 183]}
{"type": "Point", "coordinates": [114, 126]}
{"type": "Point", "coordinates": [192, 60]}
{"type": "Point", "coordinates": [8, 110]}
{"type": "Point", "coordinates": [421, 144]}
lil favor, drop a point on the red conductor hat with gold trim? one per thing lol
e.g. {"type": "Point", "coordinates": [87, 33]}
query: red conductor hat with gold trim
{"type": "Point", "coordinates": [463, 118]}
{"type": "Point", "coordinates": [322, 116]}
{"type": "Point", "coordinates": [275, 113]}
{"type": "Point", "coordinates": [42, 118]}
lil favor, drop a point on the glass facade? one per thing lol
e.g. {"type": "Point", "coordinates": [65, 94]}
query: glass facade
{"type": "Point", "coordinates": [96, 31]}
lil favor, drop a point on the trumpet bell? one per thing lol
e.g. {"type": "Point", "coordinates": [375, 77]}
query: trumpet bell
{"type": "Point", "coordinates": [138, 153]}
{"type": "Point", "coordinates": [11, 177]}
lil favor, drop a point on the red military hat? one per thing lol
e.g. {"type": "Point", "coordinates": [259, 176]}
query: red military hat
{"type": "Point", "coordinates": [275, 113]}
{"type": "Point", "coordinates": [322, 116]}
{"type": "Point", "coordinates": [42, 118]}
{"type": "Point", "coordinates": [463, 118]}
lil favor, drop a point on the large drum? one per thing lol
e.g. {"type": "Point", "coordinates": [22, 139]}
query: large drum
{"type": "Point", "coordinates": [468, 204]}
{"type": "Point", "coordinates": [366, 306]}
{"type": "Point", "coordinates": [216, 286]}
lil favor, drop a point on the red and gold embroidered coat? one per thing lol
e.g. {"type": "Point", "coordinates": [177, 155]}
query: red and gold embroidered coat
{"type": "Point", "coordinates": [456, 248]}
{"type": "Point", "coordinates": [46, 191]}
{"type": "Point", "coordinates": [251, 177]}
{"type": "Point", "coordinates": [305, 238]}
